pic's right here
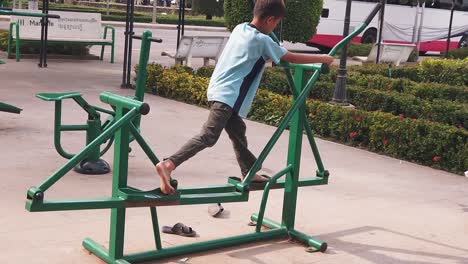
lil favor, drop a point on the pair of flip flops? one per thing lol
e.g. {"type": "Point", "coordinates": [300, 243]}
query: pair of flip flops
{"type": "Point", "coordinates": [179, 229]}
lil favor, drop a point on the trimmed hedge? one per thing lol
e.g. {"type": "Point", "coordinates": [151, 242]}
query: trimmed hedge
{"type": "Point", "coordinates": [460, 53]}
{"type": "Point", "coordinates": [387, 96]}
{"type": "Point", "coordinates": [453, 72]}
{"type": "Point", "coordinates": [428, 91]}
{"type": "Point", "coordinates": [209, 7]}
{"type": "Point", "coordinates": [357, 49]}
{"type": "Point", "coordinates": [441, 111]}
{"type": "Point", "coordinates": [141, 17]}
{"type": "Point", "coordinates": [52, 48]}
{"type": "Point", "coordinates": [445, 71]}
{"type": "Point", "coordinates": [417, 140]}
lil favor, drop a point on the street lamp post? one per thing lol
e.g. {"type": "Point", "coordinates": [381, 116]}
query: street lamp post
{"type": "Point", "coordinates": [340, 96]}
{"type": "Point", "coordinates": [450, 29]}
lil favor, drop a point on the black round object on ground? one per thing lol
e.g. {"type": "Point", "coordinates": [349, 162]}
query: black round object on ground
{"type": "Point", "coordinates": [93, 167]}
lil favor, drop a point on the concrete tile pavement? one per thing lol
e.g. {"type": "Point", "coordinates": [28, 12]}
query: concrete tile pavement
{"type": "Point", "coordinates": [376, 209]}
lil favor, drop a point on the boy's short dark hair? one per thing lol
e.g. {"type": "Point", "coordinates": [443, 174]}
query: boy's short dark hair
{"type": "Point", "coordinates": [267, 8]}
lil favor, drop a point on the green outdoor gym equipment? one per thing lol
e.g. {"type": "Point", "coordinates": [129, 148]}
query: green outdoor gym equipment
{"type": "Point", "coordinates": [9, 108]}
{"type": "Point", "coordinates": [128, 112]}
{"type": "Point", "coordinates": [94, 127]}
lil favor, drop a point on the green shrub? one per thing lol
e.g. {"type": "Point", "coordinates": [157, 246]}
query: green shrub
{"type": "Point", "coordinates": [453, 72]}
{"type": "Point", "coordinates": [301, 20]}
{"type": "Point", "coordinates": [387, 95]}
{"type": "Point", "coordinates": [461, 53]}
{"type": "Point", "coordinates": [168, 20]}
{"type": "Point", "coordinates": [376, 93]}
{"type": "Point", "coordinates": [52, 48]}
{"type": "Point", "coordinates": [155, 73]}
{"type": "Point", "coordinates": [404, 105]}
{"type": "Point", "coordinates": [182, 69]}
{"type": "Point", "coordinates": [208, 7]}
{"type": "Point", "coordinates": [236, 12]}
{"type": "Point", "coordinates": [427, 91]}
{"type": "Point", "coordinates": [357, 49]}
{"type": "Point", "coordinates": [408, 71]}
{"type": "Point", "coordinates": [416, 140]}
{"type": "Point", "coordinates": [205, 71]}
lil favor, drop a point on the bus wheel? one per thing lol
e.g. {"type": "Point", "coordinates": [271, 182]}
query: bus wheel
{"type": "Point", "coordinates": [370, 36]}
{"type": "Point", "coordinates": [463, 42]}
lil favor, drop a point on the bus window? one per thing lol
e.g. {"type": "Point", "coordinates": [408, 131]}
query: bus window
{"type": "Point", "coordinates": [325, 12]}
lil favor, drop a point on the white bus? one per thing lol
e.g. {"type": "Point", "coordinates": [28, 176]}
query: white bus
{"type": "Point", "coordinates": [400, 15]}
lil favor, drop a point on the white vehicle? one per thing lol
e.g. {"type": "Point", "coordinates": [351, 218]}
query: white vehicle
{"type": "Point", "coordinates": [400, 21]}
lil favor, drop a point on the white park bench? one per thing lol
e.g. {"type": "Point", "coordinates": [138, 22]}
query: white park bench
{"type": "Point", "coordinates": [206, 47]}
{"type": "Point", "coordinates": [71, 28]}
{"type": "Point", "coordinates": [389, 53]}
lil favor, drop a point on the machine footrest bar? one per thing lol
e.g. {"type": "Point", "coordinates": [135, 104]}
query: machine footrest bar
{"type": "Point", "coordinates": [280, 184]}
{"type": "Point", "coordinates": [306, 239]}
{"type": "Point", "coordinates": [103, 254]}
{"type": "Point", "coordinates": [205, 245]}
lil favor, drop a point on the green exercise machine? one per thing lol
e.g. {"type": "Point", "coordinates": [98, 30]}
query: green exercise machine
{"type": "Point", "coordinates": [91, 163]}
{"type": "Point", "coordinates": [9, 108]}
{"type": "Point", "coordinates": [125, 126]}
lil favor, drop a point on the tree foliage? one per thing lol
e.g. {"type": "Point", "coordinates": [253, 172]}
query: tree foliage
{"type": "Point", "coordinates": [299, 24]}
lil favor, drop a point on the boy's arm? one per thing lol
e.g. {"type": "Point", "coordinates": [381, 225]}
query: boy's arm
{"type": "Point", "coordinates": [301, 58]}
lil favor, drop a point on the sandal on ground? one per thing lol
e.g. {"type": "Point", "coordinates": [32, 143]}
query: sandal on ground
{"type": "Point", "coordinates": [179, 229]}
{"type": "Point", "coordinates": [215, 210]}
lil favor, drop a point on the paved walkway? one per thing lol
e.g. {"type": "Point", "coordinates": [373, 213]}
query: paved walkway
{"type": "Point", "coordinates": [376, 209]}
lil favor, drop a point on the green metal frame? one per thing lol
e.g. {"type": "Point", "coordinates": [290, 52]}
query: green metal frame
{"type": "Point", "coordinates": [18, 41]}
{"type": "Point", "coordinates": [128, 113]}
{"type": "Point", "coordinates": [92, 162]}
{"type": "Point", "coordinates": [9, 108]}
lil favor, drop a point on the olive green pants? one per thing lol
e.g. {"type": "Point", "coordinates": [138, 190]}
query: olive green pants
{"type": "Point", "coordinates": [221, 117]}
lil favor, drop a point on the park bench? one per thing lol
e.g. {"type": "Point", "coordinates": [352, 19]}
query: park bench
{"type": "Point", "coordinates": [206, 47]}
{"type": "Point", "coordinates": [393, 53]}
{"type": "Point", "coordinates": [74, 28]}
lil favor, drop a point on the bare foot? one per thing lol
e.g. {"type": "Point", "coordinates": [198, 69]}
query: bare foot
{"type": "Point", "coordinates": [258, 178]}
{"type": "Point", "coordinates": [164, 169]}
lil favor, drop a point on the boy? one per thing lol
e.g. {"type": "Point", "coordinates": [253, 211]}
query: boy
{"type": "Point", "coordinates": [233, 86]}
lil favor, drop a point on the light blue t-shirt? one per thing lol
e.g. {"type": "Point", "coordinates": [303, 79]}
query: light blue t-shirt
{"type": "Point", "coordinates": [240, 67]}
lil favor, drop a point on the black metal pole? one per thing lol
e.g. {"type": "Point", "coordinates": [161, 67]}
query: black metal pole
{"type": "Point", "coordinates": [41, 49]}
{"type": "Point", "coordinates": [183, 18]}
{"type": "Point", "coordinates": [340, 96]}
{"type": "Point", "coordinates": [450, 29]}
{"type": "Point", "coordinates": [179, 23]}
{"type": "Point", "coordinates": [124, 71]}
{"type": "Point", "coordinates": [44, 27]}
{"type": "Point", "coordinates": [130, 43]}
{"type": "Point", "coordinates": [44, 59]}
{"type": "Point", "coordinates": [381, 20]}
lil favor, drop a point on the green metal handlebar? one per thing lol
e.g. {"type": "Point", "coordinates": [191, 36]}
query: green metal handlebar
{"type": "Point", "coordinates": [124, 102]}
{"type": "Point", "coordinates": [357, 31]}
{"type": "Point", "coordinates": [324, 68]}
